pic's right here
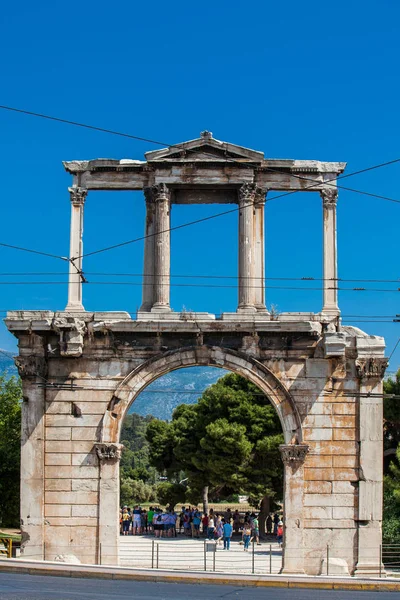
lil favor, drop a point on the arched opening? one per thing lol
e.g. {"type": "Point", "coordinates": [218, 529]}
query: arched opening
{"type": "Point", "coordinates": [208, 457]}
{"type": "Point", "coordinates": [248, 368]}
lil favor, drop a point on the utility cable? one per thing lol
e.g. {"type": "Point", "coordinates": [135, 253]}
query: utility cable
{"type": "Point", "coordinates": [181, 146]}
{"type": "Point", "coordinates": [230, 211]}
{"type": "Point", "coordinates": [191, 276]}
{"type": "Point", "coordinates": [393, 351]}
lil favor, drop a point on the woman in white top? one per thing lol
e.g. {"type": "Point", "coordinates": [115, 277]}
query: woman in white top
{"type": "Point", "coordinates": [211, 527]}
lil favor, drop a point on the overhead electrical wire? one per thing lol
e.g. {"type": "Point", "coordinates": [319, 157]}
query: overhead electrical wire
{"type": "Point", "coordinates": [231, 211]}
{"type": "Point", "coordinates": [206, 285]}
{"type": "Point", "coordinates": [192, 276]}
{"type": "Point", "coordinates": [180, 146]}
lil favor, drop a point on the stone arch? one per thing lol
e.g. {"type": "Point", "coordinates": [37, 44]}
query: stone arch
{"type": "Point", "coordinates": [224, 358]}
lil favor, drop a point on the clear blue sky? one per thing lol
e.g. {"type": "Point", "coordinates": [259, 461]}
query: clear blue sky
{"type": "Point", "coordinates": [310, 80]}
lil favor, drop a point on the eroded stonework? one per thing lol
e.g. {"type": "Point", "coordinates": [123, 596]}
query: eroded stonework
{"type": "Point", "coordinates": [81, 370]}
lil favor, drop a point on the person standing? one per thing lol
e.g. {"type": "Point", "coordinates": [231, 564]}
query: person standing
{"type": "Point", "coordinates": [137, 522]}
{"type": "Point", "coordinates": [219, 529]}
{"type": "Point", "coordinates": [156, 523]}
{"type": "Point", "coordinates": [126, 521]}
{"type": "Point", "coordinates": [279, 533]}
{"type": "Point", "coordinates": [211, 527]}
{"type": "Point", "coordinates": [269, 524]}
{"type": "Point", "coordinates": [205, 524]}
{"type": "Point", "coordinates": [256, 530]}
{"type": "Point", "coordinates": [150, 515]}
{"type": "Point", "coordinates": [276, 521]}
{"type": "Point", "coordinates": [196, 524]}
{"type": "Point", "coordinates": [246, 536]}
{"type": "Point", "coordinates": [227, 534]}
{"type": "Point", "coordinates": [236, 521]}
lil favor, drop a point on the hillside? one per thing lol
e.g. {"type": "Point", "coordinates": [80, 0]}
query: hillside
{"type": "Point", "coordinates": [7, 363]}
{"type": "Point", "coordinates": [160, 398]}
{"type": "Point", "coordinates": [184, 386]}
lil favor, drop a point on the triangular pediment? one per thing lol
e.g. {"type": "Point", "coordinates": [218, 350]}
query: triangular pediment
{"type": "Point", "coordinates": [205, 148]}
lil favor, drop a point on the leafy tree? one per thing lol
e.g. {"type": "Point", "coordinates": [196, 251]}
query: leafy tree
{"type": "Point", "coordinates": [171, 493]}
{"type": "Point", "coordinates": [391, 423]}
{"type": "Point", "coordinates": [391, 504]}
{"type": "Point", "coordinates": [227, 443]}
{"type": "Point", "coordinates": [10, 449]}
{"type": "Point", "coordinates": [135, 492]}
{"type": "Point", "coordinates": [137, 476]}
{"type": "Point", "coordinates": [391, 447]}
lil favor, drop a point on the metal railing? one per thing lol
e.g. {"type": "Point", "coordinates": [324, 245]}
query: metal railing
{"type": "Point", "coordinates": [174, 554]}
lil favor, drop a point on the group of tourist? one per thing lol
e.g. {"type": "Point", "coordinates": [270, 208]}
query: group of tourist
{"type": "Point", "coordinates": [215, 526]}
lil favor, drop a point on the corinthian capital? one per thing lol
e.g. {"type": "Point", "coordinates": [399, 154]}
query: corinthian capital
{"type": "Point", "coordinates": [259, 196]}
{"type": "Point", "coordinates": [161, 192]}
{"type": "Point", "coordinates": [108, 451]}
{"type": "Point", "coordinates": [77, 195]}
{"type": "Point", "coordinates": [157, 193]}
{"type": "Point", "coordinates": [247, 193]}
{"type": "Point", "coordinates": [329, 197]}
{"type": "Point", "coordinates": [294, 454]}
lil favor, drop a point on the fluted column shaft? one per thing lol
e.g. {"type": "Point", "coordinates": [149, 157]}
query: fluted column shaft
{"type": "Point", "coordinates": [149, 251]}
{"type": "Point", "coordinates": [329, 198]}
{"type": "Point", "coordinates": [259, 251]}
{"type": "Point", "coordinates": [246, 248]}
{"type": "Point", "coordinates": [162, 206]}
{"type": "Point", "coordinates": [78, 197]}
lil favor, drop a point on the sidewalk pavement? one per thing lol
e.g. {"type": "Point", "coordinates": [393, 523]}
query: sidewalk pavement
{"type": "Point", "coordinates": [33, 567]}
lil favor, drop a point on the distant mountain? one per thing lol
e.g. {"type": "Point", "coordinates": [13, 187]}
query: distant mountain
{"type": "Point", "coordinates": [161, 397]}
{"type": "Point", "coordinates": [184, 386]}
{"type": "Point", "coordinates": [7, 363]}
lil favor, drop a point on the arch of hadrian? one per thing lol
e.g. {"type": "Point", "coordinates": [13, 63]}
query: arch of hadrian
{"type": "Point", "coordinates": [82, 370]}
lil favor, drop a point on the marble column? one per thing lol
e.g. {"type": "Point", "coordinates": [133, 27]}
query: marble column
{"type": "Point", "coordinates": [329, 198]}
{"type": "Point", "coordinates": [246, 248]}
{"type": "Point", "coordinates": [78, 197]}
{"type": "Point", "coordinates": [149, 248]}
{"type": "Point", "coordinates": [293, 457]}
{"type": "Point", "coordinates": [162, 209]}
{"type": "Point", "coordinates": [259, 251]}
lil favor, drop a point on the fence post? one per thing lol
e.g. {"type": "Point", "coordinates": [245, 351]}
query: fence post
{"type": "Point", "coordinates": [327, 559]}
{"type": "Point", "coordinates": [252, 559]}
{"type": "Point", "coordinates": [157, 555]}
{"type": "Point", "coordinates": [205, 555]}
{"type": "Point", "coordinates": [270, 558]}
{"type": "Point", "coordinates": [380, 560]}
{"type": "Point", "coordinates": [44, 550]}
{"type": "Point", "coordinates": [152, 554]}
{"type": "Point", "coordinates": [99, 553]}
{"type": "Point", "coordinates": [214, 554]}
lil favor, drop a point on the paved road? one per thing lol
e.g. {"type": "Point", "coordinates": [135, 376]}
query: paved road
{"type": "Point", "coordinates": [36, 587]}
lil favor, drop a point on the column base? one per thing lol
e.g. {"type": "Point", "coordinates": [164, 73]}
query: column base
{"type": "Point", "coordinates": [247, 308]}
{"type": "Point", "coordinates": [330, 311]}
{"type": "Point", "coordinates": [74, 306]}
{"type": "Point", "coordinates": [161, 308]}
{"type": "Point", "coordinates": [261, 308]}
{"type": "Point", "coordinates": [369, 570]}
